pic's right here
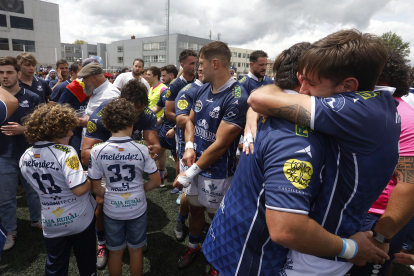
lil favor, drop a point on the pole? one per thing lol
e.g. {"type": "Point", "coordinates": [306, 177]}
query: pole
{"type": "Point", "coordinates": [56, 54]}
{"type": "Point", "coordinates": [24, 48]}
{"type": "Point", "coordinates": [168, 33]}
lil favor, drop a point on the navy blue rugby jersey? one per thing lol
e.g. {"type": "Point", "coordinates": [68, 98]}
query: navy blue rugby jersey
{"type": "Point", "coordinates": [283, 174]}
{"type": "Point", "coordinates": [250, 82]}
{"type": "Point", "coordinates": [183, 105]}
{"type": "Point", "coordinates": [166, 124]}
{"type": "Point", "coordinates": [175, 87]}
{"type": "Point", "coordinates": [96, 130]}
{"type": "Point", "coordinates": [229, 105]}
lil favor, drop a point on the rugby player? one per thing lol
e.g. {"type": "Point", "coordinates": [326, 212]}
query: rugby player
{"type": "Point", "coordinates": [137, 69]}
{"type": "Point", "coordinates": [256, 76]}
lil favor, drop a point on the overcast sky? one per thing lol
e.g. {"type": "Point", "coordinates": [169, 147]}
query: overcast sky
{"type": "Point", "coordinates": [269, 25]}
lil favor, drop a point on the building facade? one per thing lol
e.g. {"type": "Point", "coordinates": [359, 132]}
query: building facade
{"type": "Point", "coordinates": [30, 26]}
{"type": "Point", "coordinates": [240, 59]}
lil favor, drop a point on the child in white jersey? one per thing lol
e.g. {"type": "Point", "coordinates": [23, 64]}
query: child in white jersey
{"type": "Point", "coordinates": [52, 168]}
{"type": "Point", "coordinates": [123, 162]}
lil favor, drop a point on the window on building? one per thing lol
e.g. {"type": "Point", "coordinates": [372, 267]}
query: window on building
{"type": "Point", "coordinates": [247, 65]}
{"type": "Point", "coordinates": [182, 44]}
{"type": "Point", "coordinates": [192, 46]}
{"type": "Point", "coordinates": [69, 49]}
{"type": "Point", "coordinates": [21, 23]}
{"type": "Point", "coordinates": [199, 47]}
{"type": "Point", "coordinates": [248, 55]}
{"type": "Point", "coordinates": [234, 54]}
{"type": "Point", "coordinates": [77, 50]}
{"type": "Point", "coordinates": [238, 64]}
{"type": "Point", "coordinates": [162, 58]}
{"type": "Point", "coordinates": [92, 53]}
{"type": "Point", "coordinates": [163, 45]}
{"type": "Point", "coordinates": [147, 59]}
{"type": "Point", "coordinates": [4, 44]}
{"type": "Point", "coordinates": [154, 58]}
{"type": "Point", "coordinates": [239, 55]}
{"type": "Point", "coordinates": [244, 55]}
{"type": "Point", "coordinates": [23, 45]}
{"type": "Point", "coordinates": [120, 49]}
{"type": "Point", "coordinates": [3, 21]}
{"type": "Point", "coordinates": [120, 59]}
{"type": "Point", "coordinates": [70, 59]}
{"type": "Point", "coordinates": [155, 46]}
{"type": "Point", "coordinates": [147, 46]}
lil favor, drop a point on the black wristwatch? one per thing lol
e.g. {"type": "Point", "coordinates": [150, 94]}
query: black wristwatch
{"type": "Point", "coordinates": [381, 238]}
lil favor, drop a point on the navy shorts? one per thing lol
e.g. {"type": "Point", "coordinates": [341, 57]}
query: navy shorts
{"type": "Point", "coordinates": [119, 233]}
{"type": "Point", "coordinates": [167, 143]}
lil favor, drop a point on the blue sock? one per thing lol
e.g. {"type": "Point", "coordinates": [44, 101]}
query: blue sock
{"type": "Point", "coordinates": [182, 218]}
{"type": "Point", "coordinates": [101, 236]}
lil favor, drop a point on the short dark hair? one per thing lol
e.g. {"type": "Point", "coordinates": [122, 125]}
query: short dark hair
{"type": "Point", "coordinates": [123, 70]}
{"type": "Point", "coordinates": [61, 61]}
{"type": "Point", "coordinates": [118, 115]}
{"type": "Point", "coordinates": [344, 54]}
{"type": "Point", "coordinates": [140, 60]}
{"type": "Point", "coordinates": [286, 66]}
{"type": "Point", "coordinates": [257, 54]}
{"type": "Point", "coordinates": [216, 49]}
{"type": "Point", "coordinates": [74, 67]}
{"type": "Point", "coordinates": [170, 69]}
{"type": "Point", "coordinates": [8, 60]}
{"type": "Point", "coordinates": [185, 54]}
{"type": "Point", "coordinates": [155, 71]}
{"type": "Point", "coordinates": [135, 91]}
{"type": "Point", "coordinates": [396, 73]}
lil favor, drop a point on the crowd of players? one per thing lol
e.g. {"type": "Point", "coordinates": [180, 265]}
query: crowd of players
{"type": "Point", "coordinates": [320, 182]}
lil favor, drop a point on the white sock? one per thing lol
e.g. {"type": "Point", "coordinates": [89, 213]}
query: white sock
{"type": "Point", "coordinates": [193, 245]}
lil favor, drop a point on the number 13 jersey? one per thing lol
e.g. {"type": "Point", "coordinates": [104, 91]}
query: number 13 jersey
{"type": "Point", "coordinates": [53, 170]}
{"type": "Point", "coordinates": [122, 161]}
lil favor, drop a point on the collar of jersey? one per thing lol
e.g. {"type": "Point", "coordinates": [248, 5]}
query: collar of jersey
{"type": "Point", "coordinates": [43, 144]}
{"type": "Point", "coordinates": [290, 91]}
{"type": "Point", "coordinates": [226, 85]}
{"type": "Point", "coordinates": [250, 75]}
{"type": "Point", "coordinates": [199, 83]}
{"type": "Point", "coordinates": [385, 88]}
{"type": "Point", "coordinates": [119, 139]}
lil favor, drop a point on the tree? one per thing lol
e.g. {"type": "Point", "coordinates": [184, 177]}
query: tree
{"type": "Point", "coordinates": [79, 41]}
{"type": "Point", "coordinates": [395, 42]}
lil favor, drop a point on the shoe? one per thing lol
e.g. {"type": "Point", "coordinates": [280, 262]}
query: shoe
{"type": "Point", "coordinates": [212, 272]}
{"type": "Point", "coordinates": [11, 237]}
{"type": "Point", "coordinates": [178, 201]}
{"type": "Point", "coordinates": [188, 257]}
{"type": "Point", "coordinates": [37, 224]}
{"type": "Point", "coordinates": [21, 190]}
{"type": "Point", "coordinates": [101, 257]}
{"type": "Point", "coordinates": [412, 268]}
{"type": "Point", "coordinates": [178, 231]}
{"type": "Point", "coordinates": [174, 191]}
{"type": "Point", "coordinates": [145, 248]}
{"type": "Point", "coordinates": [162, 179]}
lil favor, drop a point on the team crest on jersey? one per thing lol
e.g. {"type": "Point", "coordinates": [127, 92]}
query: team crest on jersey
{"type": "Point", "coordinates": [215, 112]}
{"type": "Point", "coordinates": [336, 102]}
{"type": "Point", "coordinates": [236, 92]}
{"type": "Point", "coordinates": [301, 131]}
{"type": "Point", "coordinates": [98, 144]}
{"type": "Point", "coordinates": [62, 148]}
{"type": "Point", "coordinates": [99, 114]}
{"type": "Point", "coordinates": [58, 212]}
{"type": "Point", "coordinates": [141, 143]}
{"type": "Point", "coordinates": [91, 127]}
{"type": "Point", "coordinates": [24, 103]}
{"type": "Point", "coordinates": [368, 94]}
{"type": "Point", "coordinates": [243, 79]}
{"type": "Point", "coordinates": [168, 93]}
{"type": "Point", "coordinates": [182, 104]}
{"type": "Point", "coordinates": [147, 111]}
{"type": "Point", "coordinates": [232, 112]}
{"type": "Point", "coordinates": [73, 162]}
{"type": "Point", "coordinates": [203, 123]}
{"type": "Point", "coordinates": [198, 106]}
{"type": "Point", "coordinates": [126, 195]}
{"type": "Point", "coordinates": [299, 173]}
{"type": "Point", "coordinates": [39, 88]}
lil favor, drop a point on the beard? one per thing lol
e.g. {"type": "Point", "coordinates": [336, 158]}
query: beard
{"type": "Point", "coordinates": [88, 89]}
{"type": "Point", "coordinates": [259, 74]}
{"type": "Point", "coordinates": [136, 74]}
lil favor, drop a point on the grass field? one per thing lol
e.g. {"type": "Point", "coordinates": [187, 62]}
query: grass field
{"type": "Point", "coordinates": [29, 254]}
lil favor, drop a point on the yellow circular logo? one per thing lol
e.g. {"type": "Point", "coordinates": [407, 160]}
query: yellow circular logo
{"type": "Point", "coordinates": [298, 172]}
{"type": "Point", "coordinates": [168, 94]}
{"type": "Point", "coordinates": [91, 127]}
{"type": "Point", "coordinates": [73, 162]}
{"type": "Point", "coordinates": [182, 104]}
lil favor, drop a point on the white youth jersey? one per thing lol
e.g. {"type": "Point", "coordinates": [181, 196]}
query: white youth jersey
{"type": "Point", "coordinates": [122, 79]}
{"type": "Point", "coordinates": [122, 161]}
{"type": "Point", "coordinates": [53, 170]}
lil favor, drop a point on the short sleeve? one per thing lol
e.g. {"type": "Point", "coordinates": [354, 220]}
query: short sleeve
{"type": "Point", "coordinates": [119, 81]}
{"type": "Point", "coordinates": [72, 170]}
{"type": "Point", "coordinates": [160, 101]}
{"type": "Point", "coordinates": [291, 171]}
{"type": "Point", "coordinates": [48, 89]}
{"type": "Point", "coordinates": [96, 130]}
{"type": "Point", "coordinates": [236, 108]}
{"type": "Point", "coordinates": [150, 122]}
{"type": "Point", "coordinates": [94, 168]}
{"type": "Point", "coordinates": [183, 103]}
{"type": "Point", "coordinates": [55, 96]}
{"type": "Point", "coordinates": [149, 167]}
{"type": "Point", "coordinates": [3, 111]}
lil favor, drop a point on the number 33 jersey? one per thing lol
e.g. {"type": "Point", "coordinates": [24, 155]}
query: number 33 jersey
{"type": "Point", "coordinates": [53, 170]}
{"type": "Point", "coordinates": [122, 161]}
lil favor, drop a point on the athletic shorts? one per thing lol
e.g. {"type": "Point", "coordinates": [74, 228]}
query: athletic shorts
{"type": "Point", "coordinates": [167, 143]}
{"type": "Point", "coordinates": [119, 233]}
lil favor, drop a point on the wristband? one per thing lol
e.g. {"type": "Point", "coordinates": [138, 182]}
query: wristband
{"type": "Point", "coordinates": [190, 173]}
{"type": "Point", "coordinates": [349, 249]}
{"type": "Point", "coordinates": [189, 145]}
{"type": "Point", "coordinates": [248, 138]}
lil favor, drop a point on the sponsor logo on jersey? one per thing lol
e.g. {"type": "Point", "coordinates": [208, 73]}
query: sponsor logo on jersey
{"type": "Point", "coordinates": [301, 131]}
{"type": "Point", "coordinates": [147, 111]}
{"type": "Point", "coordinates": [242, 80]}
{"type": "Point", "coordinates": [121, 149]}
{"type": "Point", "coordinates": [37, 156]}
{"type": "Point", "coordinates": [99, 114]}
{"type": "Point", "coordinates": [298, 172]}
{"type": "Point", "coordinates": [73, 162]}
{"type": "Point", "coordinates": [264, 120]}
{"type": "Point", "coordinates": [91, 127]}
{"type": "Point", "coordinates": [368, 94]}
{"type": "Point", "coordinates": [119, 156]}
{"type": "Point", "coordinates": [24, 103]}
{"type": "Point", "coordinates": [39, 88]}
{"type": "Point", "coordinates": [198, 106]}
{"type": "Point", "coordinates": [183, 96]}
{"type": "Point", "coordinates": [126, 195]}
{"type": "Point", "coordinates": [202, 123]}
{"type": "Point", "coordinates": [182, 104]}
{"type": "Point", "coordinates": [186, 87]}
{"type": "Point", "coordinates": [236, 102]}
{"type": "Point", "coordinates": [205, 134]}
{"type": "Point", "coordinates": [215, 112]}
{"type": "Point", "coordinates": [62, 148]}
{"type": "Point", "coordinates": [212, 187]}
{"type": "Point", "coordinates": [305, 150]}
{"type": "Point", "coordinates": [209, 100]}
{"type": "Point", "coordinates": [211, 192]}
{"type": "Point", "coordinates": [232, 112]}
{"type": "Point", "coordinates": [141, 143]}
{"type": "Point", "coordinates": [58, 212]}
{"type": "Point", "coordinates": [44, 164]}
{"type": "Point", "coordinates": [98, 144]}
{"type": "Point", "coordinates": [168, 93]}
{"type": "Point", "coordinates": [236, 92]}
{"type": "Point", "coordinates": [336, 102]}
